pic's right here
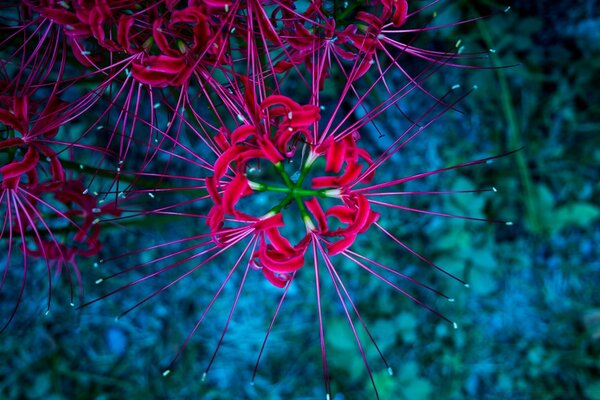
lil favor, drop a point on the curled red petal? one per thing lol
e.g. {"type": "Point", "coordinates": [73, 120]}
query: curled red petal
{"type": "Point", "coordinates": [225, 159]}
{"type": "Point", "coordinates": [78, 51]}
{"type": "Point", "coordinates": [276, 280]}
{"type": "Point", "coordinates": [161, 71]}
{"type": "Point", "coordinates": [242, 133]}
{"type": "Point", "coordinates": [218, 3]}
{"type": "Point", "coordinates": [306, 116]}
{"type": "Point", "coordinates": [211, 188]}
{"type": "Point", "coordinates": [20, 105]}
{"type": "Point", "coordinates": [340, 245]}
{"type": "Point", "coordinates": [278, 99]}
{"type": "Point", "coordinates": [18, 168]}
{"type": "Point", "coordinates": [280, 243]}
{"type": "Point", "coordinates": [12, 142]}
{"type": "Point", "coordinates": [8, 118]}
{"type": "Point", "coordinates": [370, 19]}
{"type": "Point", "coordinates": [279, 262]}
{"type": "Point", "coordinates": [192, 15]}
{"type": "Point", "coordinates": [335, 156]}
{"type": "Point", "coordinates": [283, 137]}
{"type": "Point", "coordinates": [283, 66]}
{"type": "Point", "coordinates": [344, 213]}
{"type": "Point", "coordinates": [373, 216]}
{"type": "Point", "coordinates": [159, 37]}
{"type": "Point", "coordinates": [350, 174]}
{"type": "Point", "coordinates": [269, 150]}
{"type": "Point", "coordinates": [221, 139]}
{"type": "Point", "coordinates": [320, 182]}
{"type": "Point", "coordinates": [315, 208]}
{"type": "Point", "coordinates": [233, 192]}
{"type": "Point", "coordinates": [274, 221]}
{"type": "Point", "coordinates": [400, 12]}
{"type": "Point", "coordinates": [361, 215]}
{"type": "Point", "coordinates": [56, 168]}
{"type": "Point", "coordinates": [215, 218]}
{"type": "Point", "coordinates": [123, 29]}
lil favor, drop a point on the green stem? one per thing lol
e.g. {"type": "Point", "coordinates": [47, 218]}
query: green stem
{"type": "Point", "coordinates": [277, 209]}
{"type": "Point", "coordinates": [286, 178]}
{"type": "Point", "coordinates": [301, 207]}
{"type": "Point", "coordinates": [514, 131]}
{"type": "Point", "coordinates": [105, 173]}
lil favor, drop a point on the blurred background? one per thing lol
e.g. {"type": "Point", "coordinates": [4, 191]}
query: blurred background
{"type": "Point", "coordinates": [529, 325]}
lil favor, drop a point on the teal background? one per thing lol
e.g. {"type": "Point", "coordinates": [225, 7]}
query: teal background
{"type": "Point", "coordinates": [529, 325]}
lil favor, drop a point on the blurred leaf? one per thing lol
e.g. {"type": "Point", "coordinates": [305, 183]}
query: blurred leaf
{"type": "Point", "coordinates": [576, 214]}
{"type": "Point", "coordinates": [593, 390]}
{"type": "Point", "coordinates": [406, 324]}
{"type": "Point", "coordinates": [386, 385]}
{"type": "Point", "coordinates": [481, 281]}
{"type": "Point", "coordinates": [555, 219]}
{"type": "Point", "coordinates": [412, 386]}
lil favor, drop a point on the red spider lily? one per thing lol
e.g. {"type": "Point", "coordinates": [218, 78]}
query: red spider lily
{"type": "Point", "coordinates": [36, 198]}
{"type": "Point", "coordinates": [34, 220]}
{"type": "Point", "coordinates": [230, 89]}
{"type": "Point", "coordinates": [26, 220]}
{"type": "Point", "coordinates": [336, 206]}
{"type": "Point", "coordinates": [277, 257]}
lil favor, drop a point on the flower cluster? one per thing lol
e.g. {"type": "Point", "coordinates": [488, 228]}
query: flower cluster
{"type": "Point", "coordinates": [252, 112]}
{"type": "Point", "coordinates": [37, 197]}
{"type": "Point", "coordinates": [289, 122]}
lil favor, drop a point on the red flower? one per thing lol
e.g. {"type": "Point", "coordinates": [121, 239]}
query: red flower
{"type": "Point", "coordinates": [161, 71]}
{"type": "Point", "coordinates": [277, 257]}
